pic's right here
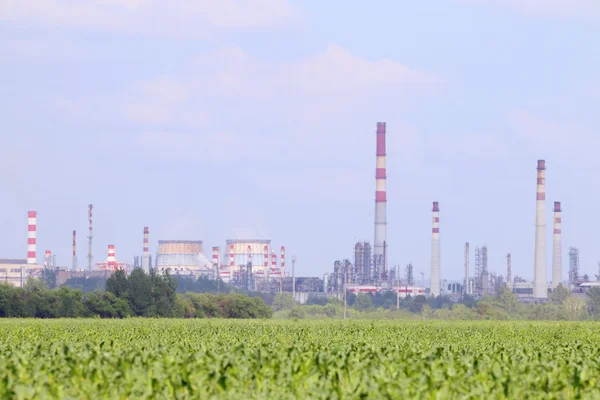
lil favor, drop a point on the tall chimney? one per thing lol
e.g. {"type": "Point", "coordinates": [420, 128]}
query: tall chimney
{"type": "Point", "coordinates": [48, 259]}
{"type": "Point", "coordinates": [540, 286]}
{"type": "Point", "coordinates": [31, 237]}
{"type": "Point", "coordinates": [557, 246]}
{"type": "Point", "coordinates": [282, 259]}
{"type": "Point", "coordinates": [380, 204]}
{"type": "Point", "coordinates": [231, 257]}
{"type": "Point", "coordinates": [435, 250]}
{"type": "Point", "coordinates": [74, 265]}
{"type": "Point", "coordinates": [509, 271]}
{"type": "Point", "coordinates": [90, 237]}
{"type": "Point", "coordinates": [273, 260]}
{"type": "Point", "coordinates": [215, 262]}
{"type": "Point", "coordinates": [466, 284]}
{"type": "Point", "coordinates": [111, 259]}
{"type": "Point", "coordinates": [215, 257]}
{"type": "Point", "coordinates": [266, 257]}
{"type": "Point", "coordinates": [146, 257]}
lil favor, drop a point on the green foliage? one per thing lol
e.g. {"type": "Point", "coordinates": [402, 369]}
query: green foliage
{"type": "Point", "coordinates": [86, 284]}
{"type": "Point", "coordinates": [214, 359]}
{"type": "Point", "coordinates": [363, 302]}
{"type": "Point", "coordinates": [283, 301]}
{"type": "Point", "coordinates": [593, 295]}
{"type": "Point", "coordinates": [559, 294]}
{"type": "Point", "coordinates": [138, 294]}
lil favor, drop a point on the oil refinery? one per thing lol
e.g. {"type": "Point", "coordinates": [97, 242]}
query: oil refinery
{"type": "Point", "coordinates": [255, 264]}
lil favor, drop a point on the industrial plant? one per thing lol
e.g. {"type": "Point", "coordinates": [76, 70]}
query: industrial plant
{"type": "Point", "coordinates": [255, 265]}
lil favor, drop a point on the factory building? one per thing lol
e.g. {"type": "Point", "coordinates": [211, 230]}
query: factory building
{"type": "Point", "coordinates": [16, 271]}
{"type": "Point", "coordinates": [182, 257]}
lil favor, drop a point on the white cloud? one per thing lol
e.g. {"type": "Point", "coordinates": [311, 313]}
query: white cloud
{"type": "Point", "coordinates": [566, 138]}
{"type": "Point", "coordinates": [172, 18]}
{"type": "Point", "coordinates": [563, 9]}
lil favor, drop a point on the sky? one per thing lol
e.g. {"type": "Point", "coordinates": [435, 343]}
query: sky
{"type": "Point", "coordinates": [231, 119]}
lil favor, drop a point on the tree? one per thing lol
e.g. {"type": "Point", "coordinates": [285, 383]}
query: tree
{"type": "Point", "coordinates": [71, 303]}
{"type": "Point", "coordinates": [297, 312]}
{"type": "Point", "coordinates": [559, 294]}
{"type": "Point", "coordinates": [575, 308]}
{"type": "Point", "coordinates": [363, 302]}
{"type": "Point", "coordinates": [283, 301]}
{"type": "Point", "coordinates": [117, 284]}
{"type": "Point", "coordinates": [593, 295]}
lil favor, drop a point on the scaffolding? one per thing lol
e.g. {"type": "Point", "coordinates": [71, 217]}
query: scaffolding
{"type": "Point", "coordinates": [481, 270]}
{"type": "Point", "coordinates": [573, 265]}
{"type": "Point", "coordinates": [362, 263]}
{"type": "Point", "coordinates": [410, 279]}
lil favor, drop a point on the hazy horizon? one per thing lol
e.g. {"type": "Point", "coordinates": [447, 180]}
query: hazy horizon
{"type": "Point", "coordinates": [224, 120]}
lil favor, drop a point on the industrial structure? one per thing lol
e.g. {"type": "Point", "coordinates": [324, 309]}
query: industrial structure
{"type": "Point", "coordinates": [540, 285]}
{"type": "Point", "coordinates": [110, 264]}
{"type": "Point", "coordinates": [90, 238]}
{"type": "Point", "coordinates": [467, 289]}
{"type": "Point", "coordinates": [254, 265]}
{"type": "Point", "coordinates": [146, 252]}
{"type": "Point", "coordinates": [16, 271]}
{"type": "Point", "coordinates": [182, 257]}
{"type": "Point", "coordinates": [574, 265]}
{"type": "Point", "coordinates": [74, 262]}
{"type": "Point", "coordinates": [380, 243]}
{"type": "Point", "coordinates": [557, 246]}
{"type": "Point", "coordinates": [435, 251]}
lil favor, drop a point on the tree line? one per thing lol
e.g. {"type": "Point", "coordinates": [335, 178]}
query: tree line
{"type": "Point", "coordinates": [137, 295]}
{"type": "Point", "coordinates": [562, 305]}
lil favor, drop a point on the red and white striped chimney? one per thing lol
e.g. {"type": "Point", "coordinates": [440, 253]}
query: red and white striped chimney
{"type": "Point", "coordinates": [146, 255]}
{"type": "Point", "coordinates": [231, 256]}
{"type": "Point", "coordinates": [48, 258]}
{"type": "Point", "coordinates": [215, 257]}
{"type": "Point", "coordinates": [74, 263]}
{"type": "Point", "coordinates": [266, 256]}
{"type": "Point", "coordinates": [282, 259]}
{"type": "Point", "coordinates": [435, 250]}
{"type": "Point", "coordinates": [31, 237]}
{"type": "Point", "coordinates": [540, 286]}
{"type": "Point", "coordinates": [380, 203]}
{"type": "Point", "coordinates": [112, 259]}
{"type": "Point", "coordinates": [557, 246]}
{"type": "Point", "coordinates": [273, 260]}
{"type": "Point", "coordinates": [249, 254]}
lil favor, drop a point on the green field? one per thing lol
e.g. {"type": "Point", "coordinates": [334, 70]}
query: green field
{"type": "Point", "coordinates": [143, 358]}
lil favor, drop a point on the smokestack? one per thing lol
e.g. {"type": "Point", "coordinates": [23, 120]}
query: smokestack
{"type": "Point", "coordinates": [509, 271]}
{"type": "Point", "coordinates": [231, 257]}
{"type": "Point", "coordinates": [249, 254]}
{"type": "Point", "coordinates": [215, 257]}
{"type": "Point", "coordinates": [48, 259]}
{"type": "Point", "coordinates": [540, 286]}
{"type": "Point", "coordinates": [380, 204]}
{"type": "Point", "coordinates": [273, 260]}
{"type": "Point", "coordinates": [266, 257]}
{"type": "Point", "coordinates": [90, 237]}
{"type": "Point", "coordinates": [215, 262]}
{"type": "Point", "coordinates": [31, 237]}
{"type": "Point", "coordinates": [466, 284]}
{"type": "Point", "coordinates": [435, 251]}
{"type": "Point", "coordinates": [282, 259]}
{"type": "Point", "coordinates": [74, 264]}
{"type": "Point", "coordinates": [146, 258]}
{"type": "Point", "coordinates": [111, 259]}
{"type": "Point", "coordinates": [557, 246]}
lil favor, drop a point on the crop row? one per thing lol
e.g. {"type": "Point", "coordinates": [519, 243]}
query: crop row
{"type": "Point", "coordinates": [137, 358]}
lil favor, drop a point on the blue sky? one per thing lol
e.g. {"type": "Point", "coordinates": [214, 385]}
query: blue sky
{"type": "Point", "coordinates": [214, 120]}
